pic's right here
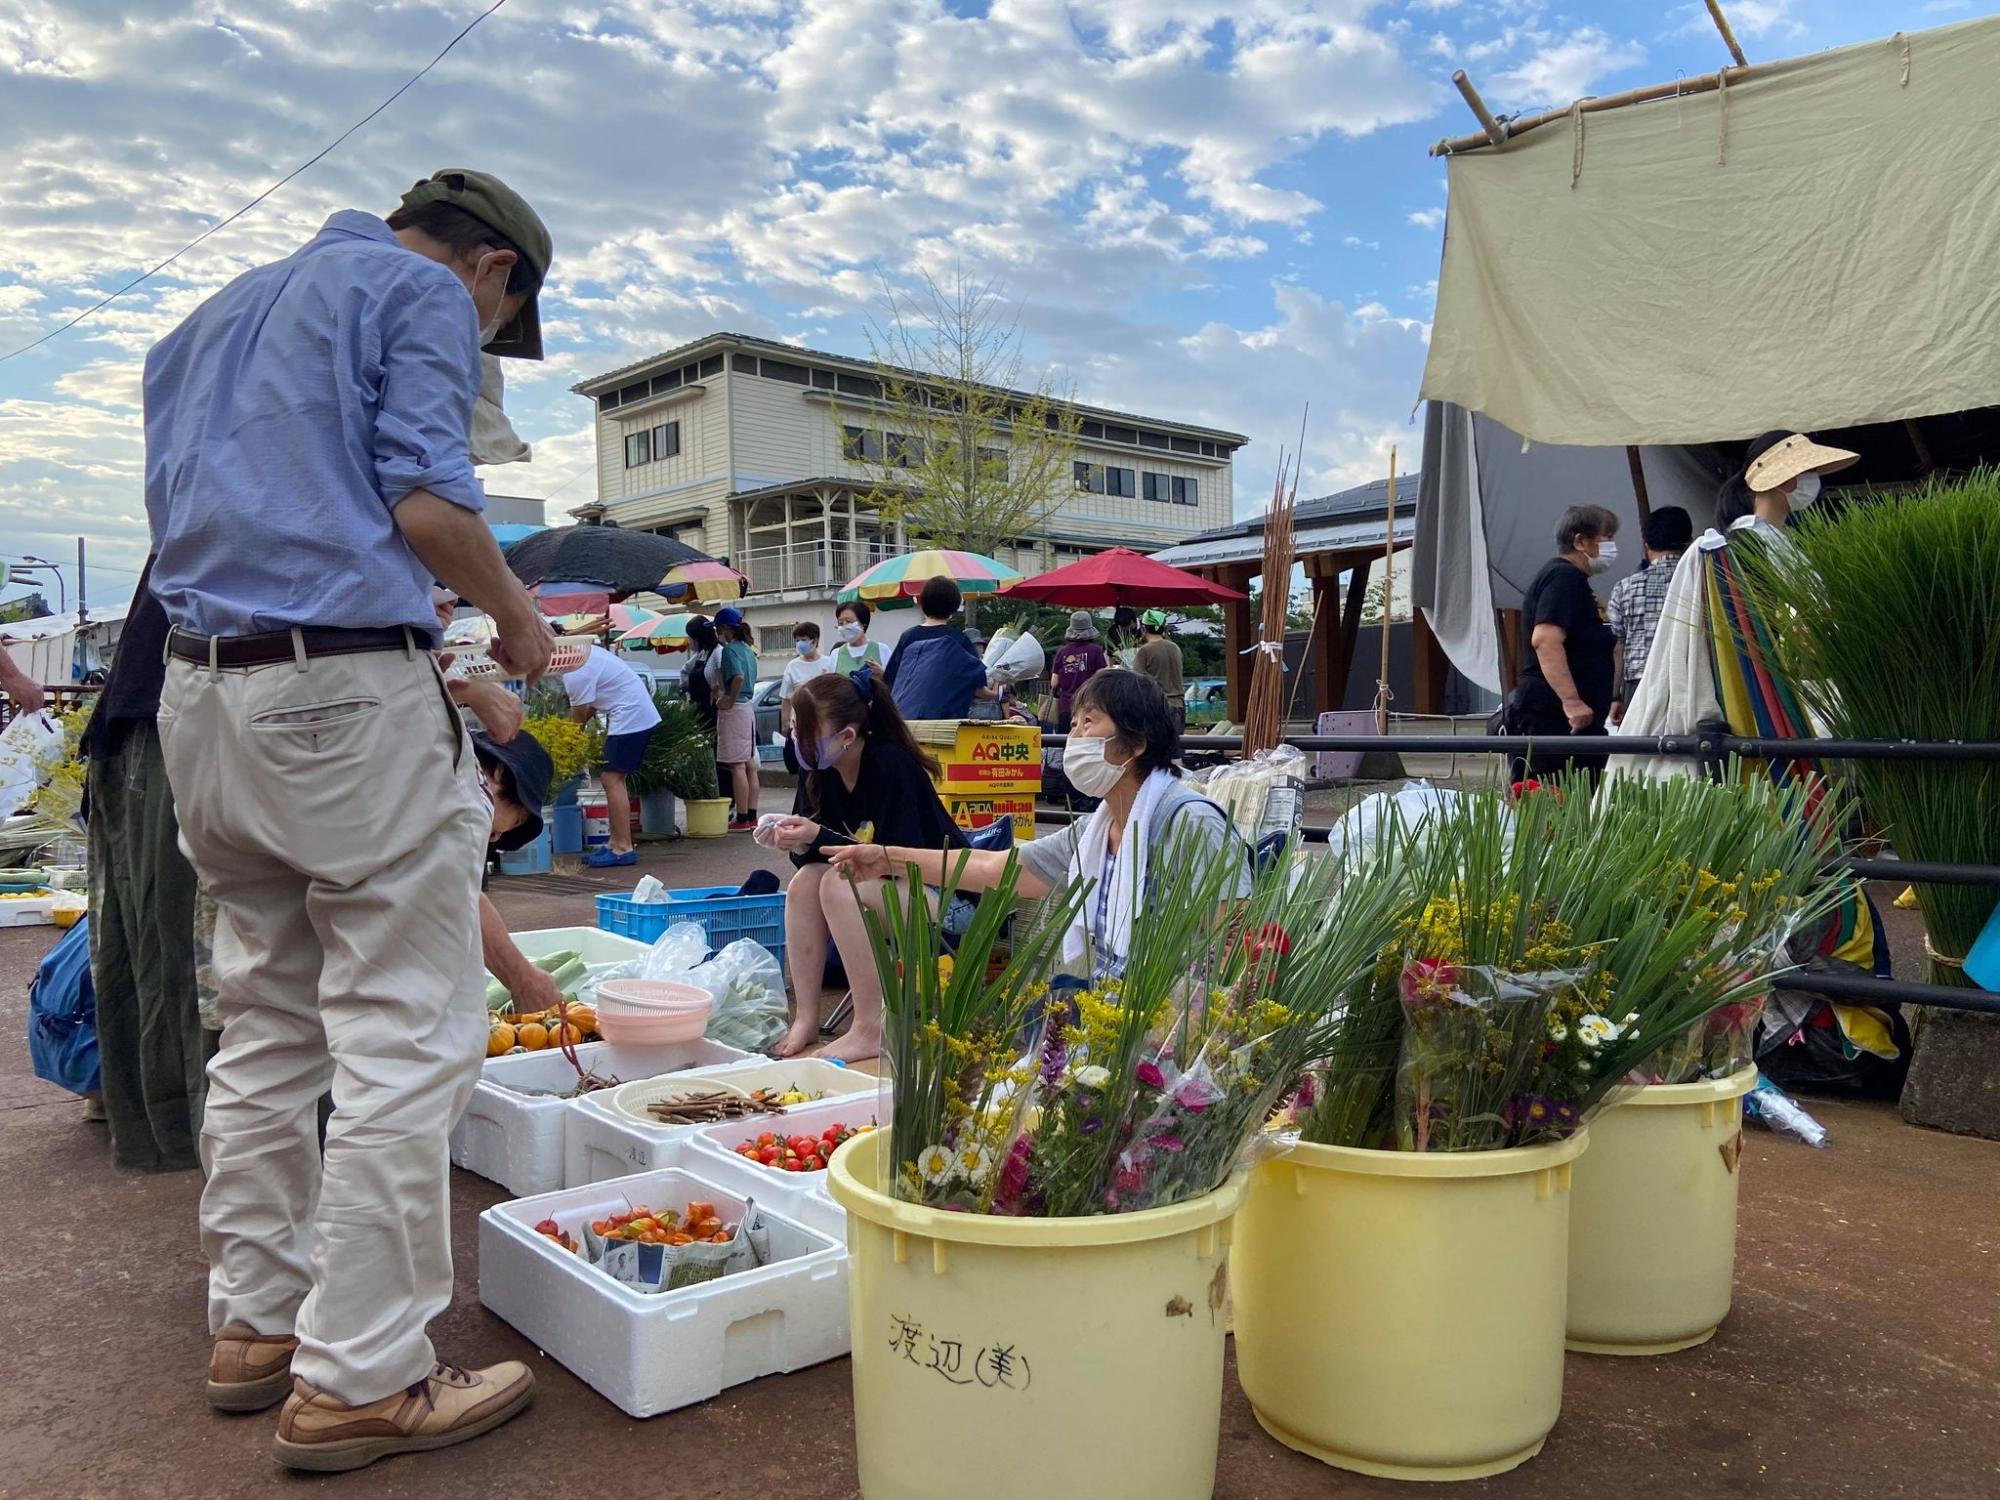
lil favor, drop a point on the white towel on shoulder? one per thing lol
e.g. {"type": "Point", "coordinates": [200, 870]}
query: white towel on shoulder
{"type": "Point", "coordinates": [1128, 881]}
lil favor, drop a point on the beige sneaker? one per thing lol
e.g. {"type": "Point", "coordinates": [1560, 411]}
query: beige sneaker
{"type": "Point", "coordinates": [450, 1405]}
{"type": "Point", "coordinates": [249, 1371]}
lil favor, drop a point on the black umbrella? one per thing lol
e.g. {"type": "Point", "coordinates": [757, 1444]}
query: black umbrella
{"type": "Point", "coordinates": [617, 560]}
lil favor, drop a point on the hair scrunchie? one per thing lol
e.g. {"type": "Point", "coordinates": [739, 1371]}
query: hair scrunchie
{"type": "Point", "coordinates": [863, 679]}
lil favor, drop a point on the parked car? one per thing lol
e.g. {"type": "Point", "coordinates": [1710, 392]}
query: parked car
{"type": "Point", "coordinates": [764, 699]}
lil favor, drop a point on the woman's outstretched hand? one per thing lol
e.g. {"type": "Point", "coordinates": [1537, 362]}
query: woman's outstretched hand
{"type": "Point", "coordinates": [860, 861]}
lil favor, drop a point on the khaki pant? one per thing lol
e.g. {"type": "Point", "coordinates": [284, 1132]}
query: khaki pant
{"type": "Point", "coordinates": [333, 810]}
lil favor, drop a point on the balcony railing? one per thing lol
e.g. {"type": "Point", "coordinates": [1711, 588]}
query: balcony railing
{"type": "Point", "coordinates": [810, 565]}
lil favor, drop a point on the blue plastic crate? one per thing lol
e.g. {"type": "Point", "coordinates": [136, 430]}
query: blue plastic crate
{"type": "Point", "coordinates": [723, 915]}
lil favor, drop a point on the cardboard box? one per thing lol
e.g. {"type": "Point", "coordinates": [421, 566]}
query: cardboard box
{"type": "Point", "coordinates": [981, 810]}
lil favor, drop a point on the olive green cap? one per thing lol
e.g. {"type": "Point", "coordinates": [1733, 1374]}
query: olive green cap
{"type": "Point", "coordinates": [506, 213]}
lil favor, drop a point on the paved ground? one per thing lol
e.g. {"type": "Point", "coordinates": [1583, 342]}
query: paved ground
{"type": "Point", "coordinates": [1860, 1360]}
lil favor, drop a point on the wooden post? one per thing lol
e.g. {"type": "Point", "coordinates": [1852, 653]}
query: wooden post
{"type": "Point", "coordinates": [1350, 623]}
{"type": "Point", "coordinates": [1388, 598]}
{"type": "Point", "coordinates": [1639, 484]}
{"type": "Point", "coordinates": [1922, 446]}
{"type": "Point", "coordinates": [1478, 106]}
{"type": "Point", "coordinates": [1728, 36]}
{"type": "Point", "coordinates": [1237, 636]}
{"type": "Point", "coordinates": [1507, 627]}
{"type": "Point", "coordinates": [1329, 671]}
{"type": "Point", "coordinates": [1703, 83]}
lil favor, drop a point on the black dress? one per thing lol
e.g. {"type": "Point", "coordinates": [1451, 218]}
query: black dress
{"type": "Point", "coordinates": [892, 802]}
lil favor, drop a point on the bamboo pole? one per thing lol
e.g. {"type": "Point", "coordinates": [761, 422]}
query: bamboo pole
{"type": "Point", "coordinates": [1388, 598]}
{"type": "Point", "coordinates": [1478, 107]}
{"type": "Point", "coordinates": [1728, 36]}
{"type": "Point", "coordinates": [1707, 83]}
{"type": "Point", "coordinates": [1639, 484]}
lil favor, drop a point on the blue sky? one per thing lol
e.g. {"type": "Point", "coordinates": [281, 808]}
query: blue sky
{"type": "Point", "coordinates": [1214, 210]}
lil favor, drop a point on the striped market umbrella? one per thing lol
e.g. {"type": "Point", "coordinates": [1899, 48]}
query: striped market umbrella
{"type": "Point", "coordinates": [630, 616]}
{"type": "Point", "coordinates": [669, 631]}
{"type": "Point", "coordinates": [707, 582]}
{"type": "Point", "coordinates": [895, 582]}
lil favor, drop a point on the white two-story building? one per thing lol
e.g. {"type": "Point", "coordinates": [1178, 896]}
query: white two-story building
{"type": "Point", "coordinates": [740, 446]}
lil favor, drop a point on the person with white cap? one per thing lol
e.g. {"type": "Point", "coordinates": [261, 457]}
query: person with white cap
{"type": "Point", "coordinates": [308, 473]}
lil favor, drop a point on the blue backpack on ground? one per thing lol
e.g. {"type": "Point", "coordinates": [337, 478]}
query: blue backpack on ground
{"type": "Point", "coordinates": [62, 1015]}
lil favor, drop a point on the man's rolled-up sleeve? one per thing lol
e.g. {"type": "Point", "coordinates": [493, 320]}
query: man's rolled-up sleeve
{"type": "Point", "coordinates": [430, 379]}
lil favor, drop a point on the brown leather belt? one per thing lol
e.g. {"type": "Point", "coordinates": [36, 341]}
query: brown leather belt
{"type": "Point", "coordinates": [274, 646]}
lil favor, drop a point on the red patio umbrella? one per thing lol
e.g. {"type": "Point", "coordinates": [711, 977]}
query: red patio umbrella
{"type": "Point", "coordinates": [1120, 576]}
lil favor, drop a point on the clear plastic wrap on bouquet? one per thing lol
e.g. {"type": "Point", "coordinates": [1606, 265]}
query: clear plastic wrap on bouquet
{"type": "Point", "coordinates": [1493, 1058]}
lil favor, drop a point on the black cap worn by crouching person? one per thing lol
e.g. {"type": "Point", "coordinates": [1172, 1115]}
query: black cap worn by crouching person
{"type": "Point", "coordinates": [506, 212]}
{"type": "Point", "coordinates": [525, 773]}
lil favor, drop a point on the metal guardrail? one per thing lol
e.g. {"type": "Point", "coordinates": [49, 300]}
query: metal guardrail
{"type": "Point", "coordinates": [1715, 747]}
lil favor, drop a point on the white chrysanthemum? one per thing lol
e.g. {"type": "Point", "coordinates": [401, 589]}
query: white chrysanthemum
{"type": "Point", "coordinates": [976, 1162]}
{"type": "Point", "coordinates": [1597, 1030]}
{"type": "Point", "coordinates": [1092, 1077]}
{"type": "Point", "coordinates": [936, 1165]}
{"type": "Point", "coordinates": [1558, 1032]}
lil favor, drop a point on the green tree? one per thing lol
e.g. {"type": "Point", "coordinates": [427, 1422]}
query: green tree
{"type": "Point", "coordinates": [960, 449]}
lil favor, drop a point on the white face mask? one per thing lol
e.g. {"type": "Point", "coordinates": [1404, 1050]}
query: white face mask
{"type": "Point", "coordinates": [1607, 554]}
{"type": "Point", "coordinates": [847, 632]}
{"type": "Point", "coordinates": [1805, 490]}
{"type": "Point", "coordinates": [1087, 769]}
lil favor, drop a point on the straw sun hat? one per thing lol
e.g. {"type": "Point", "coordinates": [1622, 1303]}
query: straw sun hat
{"type": "Point", "coordinates": [1778, 466]}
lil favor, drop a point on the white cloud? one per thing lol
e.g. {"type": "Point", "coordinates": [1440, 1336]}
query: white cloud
{"type": "Point", "coordinates": [1427, 218]}
{"type": "Point", "coordinates": [1751, 18]}
{"type": "Point", "coordinates": [1122, 164]}
{"type": "Point", "coordinates": [1562, 71]}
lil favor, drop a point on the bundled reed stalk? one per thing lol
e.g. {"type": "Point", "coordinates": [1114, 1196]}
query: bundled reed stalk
{"type": "Point", "coordinates": [1264, 715]}
{"type": "Point", "coordinates": [1889, 611]}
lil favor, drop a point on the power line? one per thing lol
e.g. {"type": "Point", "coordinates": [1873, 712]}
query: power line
{"type": "Point", "coordinates": [224, 224]}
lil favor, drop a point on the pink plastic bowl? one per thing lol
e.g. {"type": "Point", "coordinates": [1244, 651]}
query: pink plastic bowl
{"type": "Point", "coordinates": [650, 997]}
{"type": "Point", "coordinates": [652, 1031]}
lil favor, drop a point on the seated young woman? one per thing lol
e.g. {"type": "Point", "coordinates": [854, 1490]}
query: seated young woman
{"type": "Point", "coordinates": [1121, 748]}
{"type": "Point", "coordinates": [862, 778]}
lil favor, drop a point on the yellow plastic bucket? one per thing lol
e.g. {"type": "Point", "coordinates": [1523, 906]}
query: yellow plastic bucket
{"type": "Point", "coordinates": [1401, 1313]}
{"type": "Point", "coordinates": [708, 817]}
{"type": "Point", "coordinates": [1071, 1359]}
{"type": "Point", "coordinates": [1652, 1223]}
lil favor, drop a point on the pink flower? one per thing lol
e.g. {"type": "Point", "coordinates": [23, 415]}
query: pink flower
{"type": "Point", "coordinates": [1429, 980]}
{"type": "Point", "coordinates": [1196, 1094]}
{"type": "Point", "coordinates": [1129, 1178]}
{"type": "Point", "coordinates": [1150, 1075]}
{"type": "Point", "coordinates": [1169, 1143]}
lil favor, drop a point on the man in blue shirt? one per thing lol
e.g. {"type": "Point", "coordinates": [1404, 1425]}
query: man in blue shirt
{"type": "Point", "coordinates": [307, 476]}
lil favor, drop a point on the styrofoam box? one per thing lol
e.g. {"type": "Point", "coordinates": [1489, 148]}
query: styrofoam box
{"type": "Point", "coordinates": [600, 1141]}
{"type": "Point", "coordinates": [519, 1140]}
{"type": "Point", "coordinates": [804, 1195]}
{"type": "Point", "coordinates": [652, 1353]}
{"type": "Point", "coordinates": [29, 911]}
{"type": "Point", "coordinates": [589, 943]}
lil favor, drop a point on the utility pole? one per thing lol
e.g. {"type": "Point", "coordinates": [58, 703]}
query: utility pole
{"type": "Point", "coordinates": [82, 614]}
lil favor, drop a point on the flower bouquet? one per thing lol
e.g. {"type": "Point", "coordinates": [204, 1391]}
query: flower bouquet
{"type": "Point", "coordinates": [1143, 1091]}
{"type": "Point", "coordinates": [1555, 944]}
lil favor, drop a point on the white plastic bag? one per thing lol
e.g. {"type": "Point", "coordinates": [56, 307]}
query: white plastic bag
{"type": "Point", "coordinates": [29, 750]}
{"type": "Point", "coordinates": [1375, 819]}
{"type": "Point", "coordinates": [748, 984]}
{"type": "Point", "coordinates": [679, 949]}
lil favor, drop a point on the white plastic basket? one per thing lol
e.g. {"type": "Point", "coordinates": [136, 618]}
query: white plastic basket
{"type": "Point", "coordinates": [650, 1353]}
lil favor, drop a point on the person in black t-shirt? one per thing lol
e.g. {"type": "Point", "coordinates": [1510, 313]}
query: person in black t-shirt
{"type": "Point", "coordinates": [1568, 669]}
{"type": "Point", "coordinates": [864, 779]}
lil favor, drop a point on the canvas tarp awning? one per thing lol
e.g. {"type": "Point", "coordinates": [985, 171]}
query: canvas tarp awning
{"type": "Point", "coordinates": [1815, 246]}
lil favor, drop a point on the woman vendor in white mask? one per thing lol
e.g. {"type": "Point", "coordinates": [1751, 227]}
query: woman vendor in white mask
{"type": "Point", "coordinates": [1121, 749]}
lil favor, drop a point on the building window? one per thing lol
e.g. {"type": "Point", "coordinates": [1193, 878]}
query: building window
{"type": "Point", "coordinates": [1089, 478]}
{"type": "Point", "coordinates": [711, 366]}
{"type": "Point", "coordinates": [1185, 445]}
{"type": "Point", "coordinates": [861, 444]}
{"type": "Point", "coordinates": [1152, 439]}
{"type": "Point", "coordinates": [1120, 482]}
{"type": "Point", "coordinates": [668, 382]}
{"type": "Point", "coordinates": [1092, 429]}
{"type": "Point", "coordinates": [823, 380]}
{"type": "Point", "coordinates": [638, 449]}
{"type": "Point", "coordinates": [1154, 486]}
{"type": "Point", "coordinates": [905, 452]}
{"type": "Point", "coordinates": [778, 369]}
{"type": "Point", "coordinates": [1186, 491]}
{"type": "Point", "coordinates": [861, 385]}
{"type": "Point", "coordinates": [666, 440]}
{"type": "Point", "coordinates": [743, 364]}
{"type": "Point", "coordinates": [993, 462]}
{"type": "Point", "coordinates": [1121, 434]}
